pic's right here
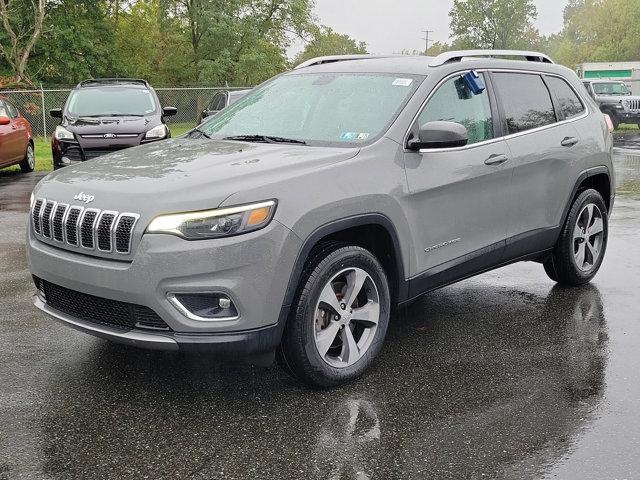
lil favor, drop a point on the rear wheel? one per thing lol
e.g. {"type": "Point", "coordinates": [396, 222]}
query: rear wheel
{"type": "Point", "coordinates": [29, 162]}
{"type": "Point", "coordinates": [578, 255]}
{"type": "Point", "coordinates": [339, 320]}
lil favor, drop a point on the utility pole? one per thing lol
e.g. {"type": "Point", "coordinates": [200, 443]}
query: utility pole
{"type": "Point", "coordinates": [426, 39]}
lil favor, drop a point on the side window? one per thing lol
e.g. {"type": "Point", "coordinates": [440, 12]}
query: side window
{"type": "Point", "coordinates": [454, 102]}
{"type": "Point", "coordinates": [217, 103]}
{"type": "Point", "coordinates": [526, 101]}
{"type": "Point", "coordinates": [13, 111]}
{"type": "Point", "coordinates": [3, 110]}
{"type": "Point", "coordinates": [569, 103]}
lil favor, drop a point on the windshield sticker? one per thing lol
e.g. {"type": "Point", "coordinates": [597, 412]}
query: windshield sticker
{"type": "Point", "coordinates": [402, 82]}
{"type": "Point", "coordinates": [352, 136]}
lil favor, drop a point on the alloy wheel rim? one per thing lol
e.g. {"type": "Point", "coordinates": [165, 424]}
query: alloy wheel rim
{"type": "Point", "coordinates": [588, 237]}
{"type": "Point", "coordinates": [346, 317]}
{"type": "Point", "coordinates": [31, 158]}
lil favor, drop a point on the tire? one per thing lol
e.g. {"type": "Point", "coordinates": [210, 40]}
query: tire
{"type": "Point", "coordinates": [580, 250]}
{"type": "Point", "coordinates": [313, 324]}
{"type": "Point", "coordinates": [28, 164]}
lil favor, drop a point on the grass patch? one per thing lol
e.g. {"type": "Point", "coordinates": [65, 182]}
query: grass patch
{"type": "Point", "coordinates": [44, 160]}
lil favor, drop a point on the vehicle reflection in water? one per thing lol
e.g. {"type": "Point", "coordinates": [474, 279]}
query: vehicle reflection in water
{"type": "Point", "coordinates": [474, 379]}
{"type": "Point", "coordinates": [627, 174]}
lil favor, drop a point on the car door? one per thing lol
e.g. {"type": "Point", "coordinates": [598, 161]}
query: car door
{"type": "Point", "coordinates": [10, 137]}
{"type": "Point", "coordinates": [458, 196]}
{"type": "Point", "coordinates": [544, 149]}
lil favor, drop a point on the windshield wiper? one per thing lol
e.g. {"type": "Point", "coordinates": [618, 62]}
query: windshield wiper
{"type": "Point", "coordinates": [200, 134]}
{"type": "Point", "coordinates": [265, 139]}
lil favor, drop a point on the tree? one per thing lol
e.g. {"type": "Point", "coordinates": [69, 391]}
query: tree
{"type": "Point", "coordinates": [598, 30]}
{"type": "Point", "coordinates": [493, 24]}
{"type": "Point", "coordinates": [22, 23]}
{"type": "Point", "coordinates": [437, 48]}
{"type": "Point", "coordinates": [327, 42]}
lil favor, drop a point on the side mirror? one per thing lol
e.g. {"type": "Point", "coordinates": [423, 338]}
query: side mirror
{"type": "Point", "coordinates": [169, 111]}
{"type": "Point", "coordinates": [56, 112]}
{"type": "Point", "coordinates": [440, 135]}
{"type": "Point", "coordinates": [5, 120]}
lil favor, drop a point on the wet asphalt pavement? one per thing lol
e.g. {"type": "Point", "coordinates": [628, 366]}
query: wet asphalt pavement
{"type": "Point", "coordinates": [504, 376]}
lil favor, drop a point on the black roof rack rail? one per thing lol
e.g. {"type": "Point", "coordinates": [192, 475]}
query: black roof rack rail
{"type": "Point", "coordinates": [457, 56]}
{"type": "Point", "coordinates": [102, 81]}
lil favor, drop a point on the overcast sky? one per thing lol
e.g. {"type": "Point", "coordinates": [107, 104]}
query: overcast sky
{"type": "Point", "coordinates": [389, 26]}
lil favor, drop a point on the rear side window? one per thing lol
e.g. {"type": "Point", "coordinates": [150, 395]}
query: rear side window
{"type": "Point", "coordinates": [454, 102]}
{"type": "Point", "coordinates": [569, 103]}
{"type": "Point", "coordinates": [13, 111]}
{"type": "Point", "coordinates": [526, 100]}
{"type": "Point", "coordinates": [3, 109]}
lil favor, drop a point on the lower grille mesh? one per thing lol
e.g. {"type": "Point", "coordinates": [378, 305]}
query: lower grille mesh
{"type": "Point", "coordinates": [102, 311]}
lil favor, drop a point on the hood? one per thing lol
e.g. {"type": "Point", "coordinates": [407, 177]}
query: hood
{"type": "Point", "coordinates": [101, 125]}
{"type": "Point", "coordinates": [183, 174]}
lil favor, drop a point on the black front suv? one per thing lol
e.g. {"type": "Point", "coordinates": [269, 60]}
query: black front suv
{"type": "Point", "coordinates": [104, 115]}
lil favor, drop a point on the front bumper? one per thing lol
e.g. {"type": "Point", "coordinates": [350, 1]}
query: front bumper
{"type": "Point", "coordinates": [253, 269]}
{"type": "Point", "coordinates": [628, 116]}
{"type": "Point", "coordinates": [238, 344]}
{"type": "Point", "coordinates": [69, 152]}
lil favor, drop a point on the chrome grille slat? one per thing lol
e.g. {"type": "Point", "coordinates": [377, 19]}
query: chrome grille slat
{"type": "Point", "coordinates": [45, 218]}
{"type": "Point", "coordinates": [87, 224]}
{"type": "Point", "coordinates": [35, 215]}
{"type": "Point", "coordinates": [57, 222]}
{"type": "Point", "coordinates": [123, 231]}
{"type": "Point", "coordinates": [106, 231]}
{"type": "Point", "coordinates": [71, 225]}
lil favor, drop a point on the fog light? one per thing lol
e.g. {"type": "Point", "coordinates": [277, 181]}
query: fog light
{"type": "Point", "coordinates": [65, 160]}
{"type": "Point", "coordinates": [204, 306]}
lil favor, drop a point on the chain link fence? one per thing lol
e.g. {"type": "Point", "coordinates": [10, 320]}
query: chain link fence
{"type": "Point", "coordinates": [35, 104]}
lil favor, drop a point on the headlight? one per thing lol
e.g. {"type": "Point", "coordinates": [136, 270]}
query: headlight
{"type": "Point", "coordinates": [61, 133]}
{"type": "Point", "coordinates": [157, 132]}
{"type": "Point", "coordinates": [222, 222]}
{"type": "Point", "coordinates": [626, 103]}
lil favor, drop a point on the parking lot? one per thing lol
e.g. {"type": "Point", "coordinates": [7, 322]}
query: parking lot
{"type": "Point", "coordinates": [501, 376]}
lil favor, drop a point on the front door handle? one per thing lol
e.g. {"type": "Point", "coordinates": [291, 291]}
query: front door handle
{"type": "Point", "coordinates": [569, 142]}
{"type": "Point", "coordinates": [498, 159]}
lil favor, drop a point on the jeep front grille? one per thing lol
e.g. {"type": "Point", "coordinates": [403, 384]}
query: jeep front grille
{"type": "Point", "coordinates": [84, 228]}
{"type": "Point", "coordinates": [634, 104]}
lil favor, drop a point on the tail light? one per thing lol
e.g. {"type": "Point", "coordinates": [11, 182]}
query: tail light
{"type": "Point", "coordinates": [610, 126]}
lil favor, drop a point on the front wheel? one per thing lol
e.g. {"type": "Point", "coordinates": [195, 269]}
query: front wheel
{"type": "Point", "coordinates": [579, 252]}
{"type": "Point", "coordinates": [339, 320]}
{"type": "Point", "coordinates": [28, 164]}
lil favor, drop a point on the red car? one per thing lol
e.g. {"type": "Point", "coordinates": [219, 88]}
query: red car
{"type": "Point", "coordinates": [16, 138]}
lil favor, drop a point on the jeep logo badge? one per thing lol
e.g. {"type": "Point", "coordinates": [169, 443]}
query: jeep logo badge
{"type": "Point", "coordinates": [83, 197]}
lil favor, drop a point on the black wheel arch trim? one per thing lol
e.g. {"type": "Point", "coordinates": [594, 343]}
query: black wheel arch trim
{"type": "Point", "coordinates": [584, 175]}
{"type": "Point", "coordinates": [339, 225]}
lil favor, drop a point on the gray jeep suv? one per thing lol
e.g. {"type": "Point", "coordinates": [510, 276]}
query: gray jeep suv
{"type": "Point", "coordinates": [615, 99]}
{"type": "Point", "coordinates": [295, 220]}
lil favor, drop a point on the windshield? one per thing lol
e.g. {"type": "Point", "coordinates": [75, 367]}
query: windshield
{"type": "Point", "coordinates": [333, 108]}
{"type": "Point", "coordinates": [613, 88]}
{"type": "Point", "coordinates": [110, 101]}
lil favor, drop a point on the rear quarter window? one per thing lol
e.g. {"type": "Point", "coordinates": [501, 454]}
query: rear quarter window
{"type": "Point", "coordinates": [569, 103]}
{"type": "Point", "coordinates": [526, 101]}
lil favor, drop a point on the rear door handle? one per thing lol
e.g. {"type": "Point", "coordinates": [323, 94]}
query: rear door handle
{"type": "Point", "coordinates": [569, 142]}
{"type": "Point", "coordinates": [498, 159]}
